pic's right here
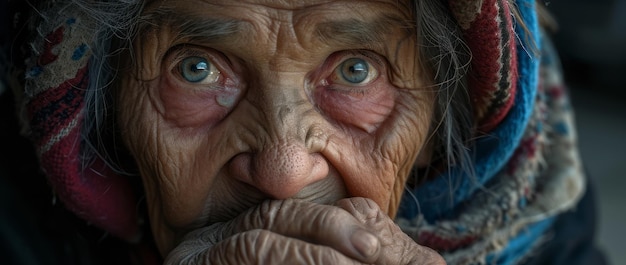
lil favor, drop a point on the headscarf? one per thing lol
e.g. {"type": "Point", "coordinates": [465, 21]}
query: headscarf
{"type": "Point", "coordinates": [526, 165]}
{"type": "Point", "coordinates": [57, 78]}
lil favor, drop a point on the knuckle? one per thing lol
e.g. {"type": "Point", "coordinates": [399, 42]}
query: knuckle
{"type": "Point", "coordinates": [431, 257]}
{"type": "Point", "coordinates": [367, 208]}
{"type": "Point", "coordinates": [244, 248]}
{"type": "Point", "coordinates": [266, 214]}
{"type": "Point", "coordinates": [359, 205]}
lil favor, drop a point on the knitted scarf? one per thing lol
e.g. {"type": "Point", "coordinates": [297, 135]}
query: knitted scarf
{"type": "Point", "coordinates": [526, 166]}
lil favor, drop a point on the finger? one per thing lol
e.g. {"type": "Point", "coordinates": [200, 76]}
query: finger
{"type": "Point", "coordinates": [363, 209]}
{"type": "Point", "coordinates": [397, 247]}
{"type": "Point", "coordinates": [319, 224]}
{"type": "Point", "coordinates": [314, 223]}
{"type": "Point", "coordinates": [195, 243]}
{"type": "Point", "coordinates": [262, 247]}
{"type": "Point", "coordinates": [424, 256]}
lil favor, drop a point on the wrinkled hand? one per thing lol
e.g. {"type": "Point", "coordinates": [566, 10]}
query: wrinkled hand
{"type": "Point", "coordinates": [354, 231]}
{"type": "Point", "coordinates": [396, 246]}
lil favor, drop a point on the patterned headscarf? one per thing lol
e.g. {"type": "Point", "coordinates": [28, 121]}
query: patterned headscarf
{"type": "Point", "coordinates": [57, 78]}
{"type": "Point", "coordinates": [514, 186]}
{"type": "Point", "coordinates": [526, 166]}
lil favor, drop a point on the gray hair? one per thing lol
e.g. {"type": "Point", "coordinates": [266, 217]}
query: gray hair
{"type": "Point", "coordinates": [446, 55]}
{"type": "Point", "coordinates": [115, 26]}
{"type": "Point", "coordinates": [113, 22]}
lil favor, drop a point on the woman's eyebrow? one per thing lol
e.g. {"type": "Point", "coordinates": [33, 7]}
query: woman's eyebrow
{"type": "Point", "coordinates": [209, 30]}
{"type": "Point", "coordinates": [195, 28]}
{"type": "Point", "coordinates": [359, 33]}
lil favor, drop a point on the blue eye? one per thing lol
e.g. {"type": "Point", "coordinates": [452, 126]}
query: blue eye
{"type": "Point", "coordinates": [354, 70]}
{"type": "Point", "coordinates": [198, 70]}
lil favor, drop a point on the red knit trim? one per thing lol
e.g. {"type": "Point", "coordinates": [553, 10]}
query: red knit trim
{"type": "Point", "coordinates": [55, 108]}
{"type": "Point", "coordinates": [96, 194]}
{"type": "Point", "coordinates": [438, 243]}
{"type": "Point", "coordinates": [503, 98]}
{"type": "Point", "coordinates": [493, 73]}
{"type": "Point", "coordinates": [51, 40]}
{"type": "Point", "coordinates": [93, 192]}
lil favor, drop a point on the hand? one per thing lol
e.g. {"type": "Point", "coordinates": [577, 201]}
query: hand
{"type": "Point", "coordinates": [396, 246]}
{"type": "Point", "coordinates": [280, 232]}
{"type": "Point", "coordinates": [298, 232]}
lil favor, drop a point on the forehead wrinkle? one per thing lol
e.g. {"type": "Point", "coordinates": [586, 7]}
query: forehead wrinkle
{"type": "Point", "coordinates": [355, 32]}
{"type": "Point", "coordinates": [193, 27]}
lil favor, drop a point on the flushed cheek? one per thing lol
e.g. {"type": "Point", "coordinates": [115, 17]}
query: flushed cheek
{"type": "Point", "coordinates": [374, 173]}
{"type": "Point", "coordinates": [374, 183]}
{"type": "Point", "coordinates": [365, 110]}
{"type": "Point", "coordinates": [189, 108]}
{"type": "Point", "coordinates": [376, 165]}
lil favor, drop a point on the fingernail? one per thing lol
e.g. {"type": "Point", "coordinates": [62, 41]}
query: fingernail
{"type": "Point", "coordinates": [365, 243]}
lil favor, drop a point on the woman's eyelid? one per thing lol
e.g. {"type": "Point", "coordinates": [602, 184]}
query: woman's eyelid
{"type": "Point", "coordinates": [377, 62]}
{"type": "Point", "coordinates": [370, 56]}
{"type": "Point", "coordinates": [217, 59]}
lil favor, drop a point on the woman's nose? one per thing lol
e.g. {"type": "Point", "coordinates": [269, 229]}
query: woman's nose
{"type": "Point", "coordinates": [280, 170]}
{"type": "Point", "coordinates": [282, 159]}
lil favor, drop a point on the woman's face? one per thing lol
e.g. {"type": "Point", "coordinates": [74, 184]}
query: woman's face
{"type": "Point", "coordinates": [231, 103]}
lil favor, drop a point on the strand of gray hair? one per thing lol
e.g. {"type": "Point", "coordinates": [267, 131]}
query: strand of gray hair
{"type": "Point", "coordinates": [115, 26]}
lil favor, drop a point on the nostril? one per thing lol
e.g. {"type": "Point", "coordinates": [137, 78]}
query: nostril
{"type": "Point", "coordinates": [280, 172]}
{"type": "Point", "coordinates": [240, 168]}
{"type": "Point", "coordinates": [320, 167]}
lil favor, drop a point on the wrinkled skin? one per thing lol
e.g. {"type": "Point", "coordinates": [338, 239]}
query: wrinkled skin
{"type": "Point", "coordinates": [374, 238]}
{"type": "Point", "coordinates": [278, 148]}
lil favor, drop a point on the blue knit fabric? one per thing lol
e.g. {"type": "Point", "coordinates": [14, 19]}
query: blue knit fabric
{"type": "Point", "coordinates": [520, 246]}
{"type": "Point", "coordinates": [437, 200]}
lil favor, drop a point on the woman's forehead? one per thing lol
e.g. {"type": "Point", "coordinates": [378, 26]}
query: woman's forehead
{"type": "Point", "coordinates": [348, 24]}
{"type": "Point", "coordinates": [278, 4]}
{"type": "Point", "coordinates": [256, 7]}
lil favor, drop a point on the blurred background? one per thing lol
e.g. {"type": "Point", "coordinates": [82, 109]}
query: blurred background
{"type": "Point", "coordinates": [591, 40]}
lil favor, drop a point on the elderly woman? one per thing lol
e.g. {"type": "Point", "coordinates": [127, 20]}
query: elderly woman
{"type": "Point", "coordinates": [306, 132]}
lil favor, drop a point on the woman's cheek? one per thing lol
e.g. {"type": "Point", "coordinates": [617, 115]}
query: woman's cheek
{"type": "Point", "coordinates": [365, 110]}
{"type": "Point", "coordinates": [188, 108]}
